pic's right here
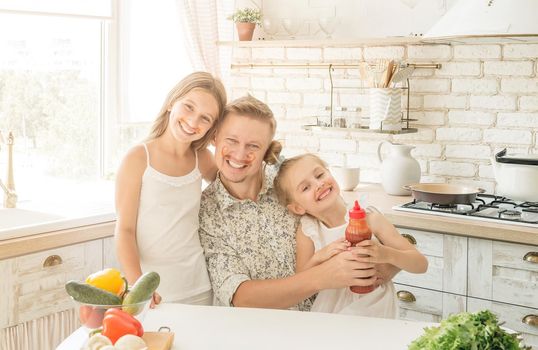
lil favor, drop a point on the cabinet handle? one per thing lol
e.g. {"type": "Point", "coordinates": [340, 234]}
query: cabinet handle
{"type": "Point", "coordinates": [531, 257]}
{"type": "Point", "coordinates": [52, 260]}
{"type": "Point", "coordinates": [531, 320]}
{"type": "Point", "coordinates": [410, 238]}
{"type": "Point", "coordinates": [406, 296]}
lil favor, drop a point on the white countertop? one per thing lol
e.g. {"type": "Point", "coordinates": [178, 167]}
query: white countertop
{"type": "Point", "coordinates": [214, 327]}
{"type": "Point", "coordinates": [31, 218]}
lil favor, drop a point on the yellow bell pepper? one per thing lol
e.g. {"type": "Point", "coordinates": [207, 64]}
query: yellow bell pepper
{"type": "Point", "coordinates": [109, 280]}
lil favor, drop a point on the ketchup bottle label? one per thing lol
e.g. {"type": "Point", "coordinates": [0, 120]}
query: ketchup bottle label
{"type": "Point", "coordinates": [357, 230]}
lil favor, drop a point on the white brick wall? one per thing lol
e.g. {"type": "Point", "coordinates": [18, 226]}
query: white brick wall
{"type": "Point", "coordinates": [508, 68]}
{"type": "Point", "coordinates": [456, 117]}
{"type": "Point", "coordinates": [475, 86]}
{"type": "Point", "coordinates": [477, 51]}
{"type": "Point", "coordinates": [449, 168]}
{"type": "Point", "coordinates": [484, 98]}
{"type": "Point", "coordinates": [459, 69]}
{"type": "Point", "coordinates": [458, 134]}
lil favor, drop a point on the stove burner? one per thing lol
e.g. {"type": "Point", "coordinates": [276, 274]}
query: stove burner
{"type": "Point", "coordinates": [510, 214]}
{"type": "Point", "coordinates": [444, 206]}
{"type": "Point", "coordinates": [486, 207]}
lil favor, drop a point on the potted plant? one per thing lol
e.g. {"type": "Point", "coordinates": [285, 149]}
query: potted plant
{"type": "Point", "coordinates": [245, 20]}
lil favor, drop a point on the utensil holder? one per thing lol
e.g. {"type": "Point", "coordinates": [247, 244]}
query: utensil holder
{"type": "Point", "coordinates": [385, 109]}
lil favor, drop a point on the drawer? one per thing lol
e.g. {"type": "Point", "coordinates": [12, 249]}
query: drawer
{"type": "Point", "coordinates": [418, 304]}
{"type": "Point", "coordinates": [35, 282]}
{"type": "Point", "coordinates": [504, 272]}
{"type": "Point", "coordinates": [447, 262]}
{"type": "Point", "coordinates": [514, 317]}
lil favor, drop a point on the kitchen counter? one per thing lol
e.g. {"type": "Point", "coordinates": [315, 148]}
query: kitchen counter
{"type": "Point", "coordinates": [96, 224]}
{"type": "Point", "coordinates": [37, 226]}
{"type": "Point", "coordinates": [373, 194]}
{"type": "Point", "coordinates": [214, 327]}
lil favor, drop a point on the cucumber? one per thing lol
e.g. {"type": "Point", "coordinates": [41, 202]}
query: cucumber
{"type": "Point", "coordinates": [143, 288]}
{"type": "Point", "coordinates": [89, 294]}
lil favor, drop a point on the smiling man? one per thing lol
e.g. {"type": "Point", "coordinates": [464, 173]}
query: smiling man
{"type": "Point", "coordinates": [248, 237]}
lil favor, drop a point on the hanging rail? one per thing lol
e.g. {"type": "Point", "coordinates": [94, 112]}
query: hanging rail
{"type": "Point", "coordinates": [324, 65]}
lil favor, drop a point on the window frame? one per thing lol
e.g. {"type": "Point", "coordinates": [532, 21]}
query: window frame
{"type": "Point", "coordinates": [109, 86]}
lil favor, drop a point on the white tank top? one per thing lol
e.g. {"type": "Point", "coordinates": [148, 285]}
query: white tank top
{"type": "Point", "coordinates": [167, 232]}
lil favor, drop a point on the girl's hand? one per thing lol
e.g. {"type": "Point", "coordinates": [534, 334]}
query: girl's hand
{"type": "Point", "coordinates": [331, 249]}
{"type": "Point", "coordinates": [372, 252]}
{"type": "Point", "coordinates": [155, 300]}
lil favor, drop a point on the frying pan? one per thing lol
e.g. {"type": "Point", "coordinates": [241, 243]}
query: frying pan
{"type": "Point", "coordinates": [444, 194]}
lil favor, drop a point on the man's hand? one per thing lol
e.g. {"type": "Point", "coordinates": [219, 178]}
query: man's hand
{"type": "Point", "coordinates": [343, 270]}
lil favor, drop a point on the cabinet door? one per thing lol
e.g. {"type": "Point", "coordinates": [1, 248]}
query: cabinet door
{"type": "Point", "coordinates": [109, 254]}
{"type": "Point", "coordinates": [447, 262]}
{"type": "Point", "coordinates": [36, 282]}
{"type": "Point", "coordinates": [418, 304]}
{"type": "Point", "coordinates": [520, 319]}
{"type": "Point", "coordinates": [505, 272]}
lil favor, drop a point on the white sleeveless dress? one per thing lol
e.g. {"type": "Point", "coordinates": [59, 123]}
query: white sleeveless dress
{"type": "Point", "coordinates": [381, 302]}
{"type": "Point", "coordinates": [167, 234]}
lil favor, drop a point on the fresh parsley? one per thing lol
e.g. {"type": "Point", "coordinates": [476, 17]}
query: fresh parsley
{"type": "Point", "coordinates": [467, 331]}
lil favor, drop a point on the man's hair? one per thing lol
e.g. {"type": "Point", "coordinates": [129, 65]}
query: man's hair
{"type": "Point", "coordinates": [250, 107]}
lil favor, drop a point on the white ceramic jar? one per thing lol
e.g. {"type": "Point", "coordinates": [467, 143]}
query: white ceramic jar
{"type": "Point", "coordinates": [399, 168]}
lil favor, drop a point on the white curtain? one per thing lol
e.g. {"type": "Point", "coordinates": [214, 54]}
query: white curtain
{"type": "Point", "coordinates": [204, 24]}
{"type": "Point", "coordinates": [44, 333]}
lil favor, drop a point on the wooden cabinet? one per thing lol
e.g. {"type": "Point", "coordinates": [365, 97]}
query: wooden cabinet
{"type": "Point", "coordinates": [520, 319]}
{"type": "Point", "coordinates": [36, 282]}
{"type": "Point", "coordinates": [503, 277]}
{"type": "Point", "coordinates": [36, 310]}
{"type": "Point", "coordinates": [472, 274]}
{"type": "Point", "coordinates": [420, 304]}
{"type": "Point", "coordinates": [440, 291]}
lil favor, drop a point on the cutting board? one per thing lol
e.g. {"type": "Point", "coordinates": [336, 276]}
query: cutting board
{"type": "Point", "coordinates": [158, 340]}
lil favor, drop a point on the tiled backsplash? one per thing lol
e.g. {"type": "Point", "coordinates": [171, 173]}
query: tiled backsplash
{"type": "Point", "coordinates": [484, 98]}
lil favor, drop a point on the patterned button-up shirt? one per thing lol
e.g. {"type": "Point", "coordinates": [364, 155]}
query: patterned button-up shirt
{"type": "Point", "coordinates": [246, 240]}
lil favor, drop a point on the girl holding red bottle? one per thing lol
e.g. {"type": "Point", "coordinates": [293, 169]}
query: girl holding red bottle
{"type": "Point", "coordinates": [306, 187]}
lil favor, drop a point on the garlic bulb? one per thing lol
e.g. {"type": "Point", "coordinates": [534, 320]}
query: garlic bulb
{"type": "Point", "coordinates": [130, 342]}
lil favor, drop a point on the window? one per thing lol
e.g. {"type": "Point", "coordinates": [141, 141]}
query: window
{"type": "Point", "coordinates": [50, 98]}
{"type": "Point", "coordinates": [78, 87]}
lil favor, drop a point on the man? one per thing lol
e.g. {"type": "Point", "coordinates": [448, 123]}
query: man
{"type": "Point", "coordinates": [248, 237]}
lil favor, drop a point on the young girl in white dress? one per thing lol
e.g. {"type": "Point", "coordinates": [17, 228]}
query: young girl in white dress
{"type": "Point", "coordinates": [158, 191]}
{"type": "Point", "coordinates": [306, 187]}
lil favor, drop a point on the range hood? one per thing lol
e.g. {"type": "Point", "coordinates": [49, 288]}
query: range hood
{"type": "Point", "coordinates": [480, 20]}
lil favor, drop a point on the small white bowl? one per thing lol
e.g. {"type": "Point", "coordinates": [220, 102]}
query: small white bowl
{"type": "Point", "coordinates": [346, 177]}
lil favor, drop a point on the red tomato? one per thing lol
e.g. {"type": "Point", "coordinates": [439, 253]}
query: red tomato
{"type": "Point", "coordinates": [90, 317]}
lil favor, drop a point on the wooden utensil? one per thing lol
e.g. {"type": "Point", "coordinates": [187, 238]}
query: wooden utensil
{"type": "Point", "coordinates": [365, 74]}
{"type": "Point", "coordinates": [158, 340]}
{"type": "Point", "coordinates": [402, 74]}
{"type": "Point", "coordinates": [387, 75]}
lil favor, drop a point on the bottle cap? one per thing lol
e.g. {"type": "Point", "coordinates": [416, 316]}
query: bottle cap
{"type": "Point", "coordinates": [357, 212]}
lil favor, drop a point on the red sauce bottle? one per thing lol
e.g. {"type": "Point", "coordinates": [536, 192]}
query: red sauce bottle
{"type": "Point", "coordinates": [357, 230]}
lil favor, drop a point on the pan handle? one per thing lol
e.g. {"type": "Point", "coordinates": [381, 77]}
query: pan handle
{"type": "Point", "coordinates": [407, 187]}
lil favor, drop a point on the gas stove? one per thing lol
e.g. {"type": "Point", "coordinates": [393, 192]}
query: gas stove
{"type": "Point", "coordinates": [486, 207]}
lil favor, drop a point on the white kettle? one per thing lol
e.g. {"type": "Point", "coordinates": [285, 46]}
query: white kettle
{"type": "Point", "coordinates": [398, 169]}
{"type": "Point", "coordinates": [516, 175]}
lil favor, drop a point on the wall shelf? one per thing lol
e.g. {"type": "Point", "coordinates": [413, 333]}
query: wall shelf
{"type": "Point", "coordinates": [362, 129]}
{"type": "Point", "coordinates": [397, 40]}
{"type": "Point", "coordinates": [387, 41]}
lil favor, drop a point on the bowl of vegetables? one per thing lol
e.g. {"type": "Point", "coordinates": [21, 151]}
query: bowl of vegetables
{"type": "Point", "coordinates": [106, 290]}
{"type": "Point", "coordinates": [91, 315]}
